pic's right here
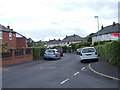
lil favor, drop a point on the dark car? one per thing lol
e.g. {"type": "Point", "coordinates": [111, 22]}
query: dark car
{"type": "Point", "coordinates": [61, 51]}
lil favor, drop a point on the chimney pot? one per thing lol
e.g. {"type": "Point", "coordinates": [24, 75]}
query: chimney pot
{"type": "Point", "coordinates": [113, 23]}
{"type": "Point", "coordinates": [102, 27]}
{"type": "Point", "coordinates": [8, 27]}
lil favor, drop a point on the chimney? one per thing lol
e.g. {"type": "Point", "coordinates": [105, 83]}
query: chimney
{"type": "Point", "coordinates": [11, 29]}
{"type": "Point", "coordinates": [102, 27]}
{"type": "Point", "coordinates": [8, 27]}
{"type": "Point", "coordinates": [114, 24]}
{"type": "Point", "coordinates": [59, 39]}
{"type": "Point", "coordinates": [66, 36]}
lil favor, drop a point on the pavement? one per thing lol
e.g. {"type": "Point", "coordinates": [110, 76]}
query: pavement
{"type": "Point", "coordinates": [22, 65]}
{"type": "Point", "coordinates": [105, 69]}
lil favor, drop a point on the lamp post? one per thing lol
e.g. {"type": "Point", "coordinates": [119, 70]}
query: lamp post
{"type": "Point", "coordinates": [98, 33]}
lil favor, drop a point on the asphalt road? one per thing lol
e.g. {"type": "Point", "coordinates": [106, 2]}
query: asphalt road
{"type": "Point", "coordinates": [66, 72]}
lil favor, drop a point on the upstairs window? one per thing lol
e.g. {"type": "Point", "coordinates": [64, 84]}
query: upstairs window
{"type": "Point", "coordinates": [10, 36]}
{"type": "Point", "coordinates": [1, 35]}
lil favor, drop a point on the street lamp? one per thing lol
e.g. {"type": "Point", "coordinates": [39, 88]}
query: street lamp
{"type": "Point", "coordinates": [98, 33]}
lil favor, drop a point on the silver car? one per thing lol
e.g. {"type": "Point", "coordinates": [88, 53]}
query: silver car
{"type": "Point", "coordinates": [52, 54]}
{"type": "Point", "coordinates": [88, 54]}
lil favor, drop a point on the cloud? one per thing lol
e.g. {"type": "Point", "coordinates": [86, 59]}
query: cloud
{"type": "Point", "coordinates": [56, 18]}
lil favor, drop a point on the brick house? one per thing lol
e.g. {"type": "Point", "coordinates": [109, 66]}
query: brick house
{"type": "Point", "coordinates": [11, 38]}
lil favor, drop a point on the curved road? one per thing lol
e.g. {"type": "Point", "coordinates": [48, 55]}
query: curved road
{"type": "Point", "coordinates": [66, 72]}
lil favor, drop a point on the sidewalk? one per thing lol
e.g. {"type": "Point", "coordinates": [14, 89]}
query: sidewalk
{"type": "Point", "coordinates": [22, 65]}
{"type": "Point", "coordinates": [105, 69]}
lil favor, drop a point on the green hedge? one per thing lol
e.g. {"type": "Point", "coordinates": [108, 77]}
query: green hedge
{"type": "Point", "coordinates": [110, 52]}
{"type": "Point", "coordinates": [101, 42]}
{"type": "Point", "coordinates": [79, 45]}
{"type": "Point", "coordinates": [38, 52]}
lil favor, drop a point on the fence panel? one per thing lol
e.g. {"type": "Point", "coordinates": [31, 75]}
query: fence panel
{"type": "Point", "coordinates": [19, 52]}
{"type": "Point", "coordinates": [28, 51]}
{"type": "Point", "coordinates": [7, 54]}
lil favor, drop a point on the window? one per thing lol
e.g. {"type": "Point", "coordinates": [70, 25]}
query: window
{"type": "Point", "coordinates": [88, 50]}
{"type": "Point", "coordinates": [10, 36]}
{"type": "Point", "coordinates": [0, 34]}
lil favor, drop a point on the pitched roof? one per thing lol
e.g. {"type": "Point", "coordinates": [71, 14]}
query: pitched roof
{"type": "Point", "coordinates": [73, 38]}
{"type": "Point", "coordinates": [53, 42]}
{"type": "Point", "coordinates": [6, 29]}
{"type": "Point", "coordinates": [115, 28]}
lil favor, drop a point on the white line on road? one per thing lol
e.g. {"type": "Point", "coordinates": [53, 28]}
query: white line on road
{"type": "Point", "coordinates": [64, 81]}
{"type": "Point", "coordinates": [76, 73]}
{"type": "Point", "coordinates": [83, 68]}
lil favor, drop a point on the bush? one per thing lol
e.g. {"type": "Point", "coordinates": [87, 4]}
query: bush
{"type": "Point", "coordinates": [38, 52]}
{"type": "Point", "coordinates": [64, 49]}
{"type": "Point", "coordinates": [79, 45]}
{"type": "Point", "coordinates": [110, 52]}
{"type": "Point", "coordinates": [101, 42]}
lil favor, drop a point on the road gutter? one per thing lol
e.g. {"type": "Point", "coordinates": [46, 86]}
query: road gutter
{"type": "Point", "coordinates": [101, 74]}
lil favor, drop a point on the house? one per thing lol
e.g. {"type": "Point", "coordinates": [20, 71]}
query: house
{"type": "Point", "coordinates": [72, 39]}
{"type": "Point", "coordinates": [66, 41]}
{"type": "Point", "coordinates": [52, 43]}
{"type": "Point", "coordinates": [11, 38]}
{"type": "Point", "coordinates": [111, 32]}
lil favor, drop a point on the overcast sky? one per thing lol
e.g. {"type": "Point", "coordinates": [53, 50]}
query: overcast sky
{"type": "Point", "coordinates": [49, 19]}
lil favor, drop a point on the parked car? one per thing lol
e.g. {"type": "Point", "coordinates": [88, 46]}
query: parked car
{"type": "Point", "coordinates": [61, 51]}
{"type": "Point", "coordinates": [52, 54]}
{"type": "Point", "coordinates": [78, 51]}
{"type": "Point", "coordinates": [88, 54]}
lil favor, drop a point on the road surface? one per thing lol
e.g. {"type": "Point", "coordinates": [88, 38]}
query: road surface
{"type": "Point", "coordinates": [66, 72]}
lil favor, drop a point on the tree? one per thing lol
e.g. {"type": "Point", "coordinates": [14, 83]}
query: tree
{"type": "Point", "coordinates": [30, 42]}
{"type": "Point", "coordinates": [89, 37]}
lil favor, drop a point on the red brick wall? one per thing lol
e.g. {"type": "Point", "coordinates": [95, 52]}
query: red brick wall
{"type": "Point", "coordinates": [11, 43]}
{"type": "Point", "coordinates": [16, 59]}
{"type": "Point", "coordinates": [9, 61]}
{"type": "Point", "coordinates": [21, 42]}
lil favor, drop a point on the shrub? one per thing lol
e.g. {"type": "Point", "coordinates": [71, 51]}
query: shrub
{"type": "Point", "coordinates": [64, 49]}
{"type": "Point", "coordinates": [101, 42]}
{"type": "Point", "coordinates": [110, 52]}
{"type": "Point", "coordinates": [38, 52]}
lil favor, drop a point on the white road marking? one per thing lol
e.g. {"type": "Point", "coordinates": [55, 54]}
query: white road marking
{"type": "Point", "coordinates": [76, 73]}
{"type": "Point", "coordinates": [64, 81]}
{"type": "Point", "coordinates": [83, 68]}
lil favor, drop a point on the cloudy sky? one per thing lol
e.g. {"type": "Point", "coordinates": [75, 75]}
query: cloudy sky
{"type": "Point", "coordinates": [49, 19]}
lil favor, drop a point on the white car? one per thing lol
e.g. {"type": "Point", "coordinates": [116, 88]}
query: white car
{"type": "Point", "coordinates": [88, 54]}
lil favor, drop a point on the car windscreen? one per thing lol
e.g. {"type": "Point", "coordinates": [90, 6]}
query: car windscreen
{"type": "Point", "coordinates": [88, 50]}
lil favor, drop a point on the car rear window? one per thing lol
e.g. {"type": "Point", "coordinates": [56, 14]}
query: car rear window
{"type": "Point", "coordinates": [59, 49]}
{"type": "Point", "coordinates": [50, 51]}
{"type": "Point", "coordinates": [87, 50]}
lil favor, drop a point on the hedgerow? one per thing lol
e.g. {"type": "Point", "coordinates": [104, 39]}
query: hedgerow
{"type": "Point", "coordinates": [110, 52]}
